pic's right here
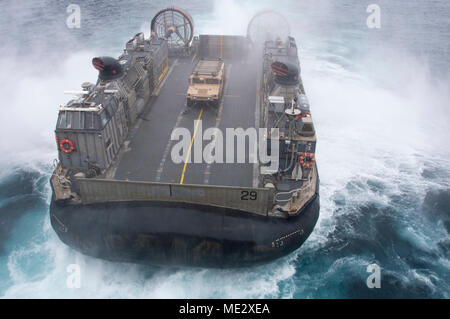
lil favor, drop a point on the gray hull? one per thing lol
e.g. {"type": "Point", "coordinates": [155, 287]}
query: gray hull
{"type": "Point", "coordinates": [184, 235]}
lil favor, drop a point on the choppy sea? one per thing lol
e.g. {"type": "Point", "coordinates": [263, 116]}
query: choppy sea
{"type": "Point", "coordinates": [381, 103]}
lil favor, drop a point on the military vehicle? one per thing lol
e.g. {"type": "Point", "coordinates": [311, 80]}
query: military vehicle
{"type": "Point", "coordinates": [206, 83]}
{"type": "Point", "coordinates": [117, 192]}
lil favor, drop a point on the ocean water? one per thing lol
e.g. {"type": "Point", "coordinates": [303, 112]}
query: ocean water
{"type": "Point", "coordinates": [380, 99]}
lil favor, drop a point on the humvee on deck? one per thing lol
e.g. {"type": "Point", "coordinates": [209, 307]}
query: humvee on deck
{"type": "Point", "coordinates": [206, 83]}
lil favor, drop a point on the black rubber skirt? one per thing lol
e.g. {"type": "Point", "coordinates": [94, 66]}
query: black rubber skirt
{"type": "Point", "coordinates": [169, 234]}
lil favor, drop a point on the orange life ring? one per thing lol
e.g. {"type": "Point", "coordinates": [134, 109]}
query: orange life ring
{"type": "Point", "coordinates": [307, 159]}
{"type": "Point", "coordinates": [64, 149]}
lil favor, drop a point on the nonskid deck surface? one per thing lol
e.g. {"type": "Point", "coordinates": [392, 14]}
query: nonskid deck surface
{"type": "Point", "coordinates": [148, 156]}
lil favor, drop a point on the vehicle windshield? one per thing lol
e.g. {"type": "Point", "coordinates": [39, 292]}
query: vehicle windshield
{"type": "Point", "coordinates": [197, 81]}
{"type": "Point", "coordinates": [212, 81]}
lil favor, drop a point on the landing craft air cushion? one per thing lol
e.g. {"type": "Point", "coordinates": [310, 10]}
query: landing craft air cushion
{"type": "Point", "coordinates": [117, 195]}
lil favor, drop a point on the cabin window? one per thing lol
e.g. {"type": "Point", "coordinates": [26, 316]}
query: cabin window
{"type": "Point", "coordinates": [76, 120]}
{"type": "Point", "coordinates": [212, 81]}
{"type": "Point", "coordinates": [62, 120]}
{"type": "Point", "coordinates": [82, 119]}
{"type": "Point", "coordinates": [65, 120]}
{"type": "Point", "coordinates": [89, 122]}
{"type": "Point", "coordinates": [197, 81]}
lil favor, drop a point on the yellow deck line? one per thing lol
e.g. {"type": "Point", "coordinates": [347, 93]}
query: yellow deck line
{"type": "Point", "coordinates": [161, 84]}
{"type": "Point", "coordinates": [166, 67]}
{"type": "Point", "coordinates": [190, 147]}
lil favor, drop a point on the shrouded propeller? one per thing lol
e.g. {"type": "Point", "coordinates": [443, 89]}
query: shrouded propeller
{"type": "Point", "coordinates": [174, 24]}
